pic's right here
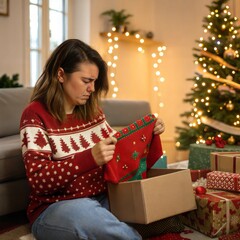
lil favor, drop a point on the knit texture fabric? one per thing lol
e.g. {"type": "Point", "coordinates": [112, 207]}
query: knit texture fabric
{"type": "Point", "coordinates": [57, 157]}
{"type": "Point", "coordinates": [137, 149]}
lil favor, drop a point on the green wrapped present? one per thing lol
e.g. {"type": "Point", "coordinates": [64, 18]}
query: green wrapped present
{"type": "Point", "coordinates": [199, 154]}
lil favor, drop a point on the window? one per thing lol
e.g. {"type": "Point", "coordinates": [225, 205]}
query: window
{"type": "Point", "coordinates": [48, 28]}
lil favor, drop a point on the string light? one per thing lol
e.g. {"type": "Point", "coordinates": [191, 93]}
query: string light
{"type": "Point", "coordinates": [158, 79]}
{"type": "Point", "coordinates": [112, 63]}
{"type": "Point", "coordinates": [156, 59]}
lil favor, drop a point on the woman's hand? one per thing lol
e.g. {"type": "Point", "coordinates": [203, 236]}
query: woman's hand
{"type": "Point", "coordinates": [159, 126]}
{"type": "Point", "coordinates": [103, 151]}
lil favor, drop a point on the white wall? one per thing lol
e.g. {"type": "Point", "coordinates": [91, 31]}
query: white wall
{"type": "Point", "coordinates": [132, 73]}
{"type": "Point", "coordinates": [179, 25]}
{"type": "Point", "coordinates": [12, 45]}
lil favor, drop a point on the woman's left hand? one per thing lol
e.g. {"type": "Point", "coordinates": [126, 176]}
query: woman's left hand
{"type": "Point", "coordinates": [159, 126]}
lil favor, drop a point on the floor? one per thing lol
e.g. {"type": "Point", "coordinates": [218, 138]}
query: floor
{"type": "Point", "coordinates": [11, 221]}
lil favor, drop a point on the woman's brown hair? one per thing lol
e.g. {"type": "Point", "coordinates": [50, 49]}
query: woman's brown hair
{"type": "Point", "coordinates": [68, 56]}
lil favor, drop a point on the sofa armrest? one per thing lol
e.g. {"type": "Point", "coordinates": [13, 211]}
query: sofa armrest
{"type": "Point", "coordinates": [12, 103]}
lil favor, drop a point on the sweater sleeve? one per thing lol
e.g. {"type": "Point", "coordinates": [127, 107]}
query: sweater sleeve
{"type": "Point", "coordinates": [47, 175]}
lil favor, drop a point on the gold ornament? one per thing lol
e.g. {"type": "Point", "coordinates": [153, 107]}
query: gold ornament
{"type": "Point", "coordinates": [229, 53]}
{"type": "Point", "coordinates": [230, 106]}
{"type": "Point", "coordinates": [231, 140]}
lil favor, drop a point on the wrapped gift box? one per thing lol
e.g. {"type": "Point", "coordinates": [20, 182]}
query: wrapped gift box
{"type": "Point", "coordinates": [223, 181]}
{"type": "Point", "coordinates": [199, 154]}
{"type": "Point", "coordinates": [225, 161]}
{"type": "Point", "coordinates": [197, 174]}
{"type": "Point", "coordinates": [161, 162]}
{"type": "Point", "coordinates": [217, 213]}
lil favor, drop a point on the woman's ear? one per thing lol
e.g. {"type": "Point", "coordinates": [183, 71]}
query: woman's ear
{"type": "Point", "coordinates": [60, 75]}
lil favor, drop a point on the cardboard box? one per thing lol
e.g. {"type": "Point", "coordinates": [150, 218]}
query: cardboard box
{"type": "Point", "coordinates": [165, 193]}
{"type": "Point", "coordinates": [225, 161]}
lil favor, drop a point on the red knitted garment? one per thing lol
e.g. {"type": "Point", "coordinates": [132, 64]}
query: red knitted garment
{"type": "Point", "coordinates": [57, 157]}
{"type": "Point", "coordinates": [137, 149]}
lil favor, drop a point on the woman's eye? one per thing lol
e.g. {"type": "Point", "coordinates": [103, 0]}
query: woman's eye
{"type": "Point", "coordinates": [85, 80]}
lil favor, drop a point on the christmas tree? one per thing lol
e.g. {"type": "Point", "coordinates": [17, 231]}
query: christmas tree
{"type": "Point", "coordinates": [215, 95]}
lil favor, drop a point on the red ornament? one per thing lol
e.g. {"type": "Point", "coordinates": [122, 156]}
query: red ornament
{"type": "Point", "coordinates": [200, 190]}
{"type": "Point", "coordinates": [208, 142]}
{"type": "Point", "coordinates": [219, 142]}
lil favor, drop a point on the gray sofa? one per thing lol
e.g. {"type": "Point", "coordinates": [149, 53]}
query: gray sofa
{"type": "Point", "coordinates": [13, 185]}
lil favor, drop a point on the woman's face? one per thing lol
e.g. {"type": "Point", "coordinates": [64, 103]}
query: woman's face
{"type": "Point", "coordinates": [79, 85]}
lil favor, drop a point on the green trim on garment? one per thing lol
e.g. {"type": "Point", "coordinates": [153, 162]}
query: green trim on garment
{"type": "Point", "coordinates": [124, 133]}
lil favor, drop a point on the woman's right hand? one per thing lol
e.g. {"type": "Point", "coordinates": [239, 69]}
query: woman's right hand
{"type": "Point", "coordinates": [103, 151]}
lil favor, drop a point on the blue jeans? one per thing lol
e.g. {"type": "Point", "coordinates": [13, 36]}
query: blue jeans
{"type": "Point", "coordinates": [81, 218]}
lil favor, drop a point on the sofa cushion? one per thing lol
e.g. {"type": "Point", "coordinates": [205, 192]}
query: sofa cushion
{"type": "Point", "coordinates": [120, 113]}
{"type": "Point", "coordinates": [14, 196]}
{"type": "Point", "coordinates": [12, 103]}
{"type": "Point", "coordinates": [11, 161]}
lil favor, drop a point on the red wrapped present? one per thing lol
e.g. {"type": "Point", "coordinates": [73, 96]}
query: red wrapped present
{"type": "Point", "coordinates": [225, 161]}
{"type": "Point", "coordinates": [197, 174]}
{"type": "Point", "coordinates": [223, 181]}
{"type": "Point", "coordinates": [217, 213]}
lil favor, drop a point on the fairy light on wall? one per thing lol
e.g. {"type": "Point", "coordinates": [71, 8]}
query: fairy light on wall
{"type": "Point", "coordinates": [112, 62]}
{"type": "Point", "coordinates": [156, 56]}
{"type": "Point", "coordinates": [158, 79]}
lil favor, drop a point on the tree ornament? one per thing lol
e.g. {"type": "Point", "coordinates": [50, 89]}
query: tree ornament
{"type": "Point", "coordinates": [229, 77]}
{"type": "Point", "coordinates": [231, 140]}
{"type": "Point", "coordinates": [200, 190]}
{"type": "Point", "coordinates": [230, 106]}
{"type": "Point", "coordinates": [223, 89]}
{"type": "Point", "coordinates": [229, 53]}
{"type": "Point", "coordinates": [219, 142]}
{"type": "Point", "coordinates": [208, 142]}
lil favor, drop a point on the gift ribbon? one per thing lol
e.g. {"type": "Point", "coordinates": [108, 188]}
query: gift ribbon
{"type": "Point", "coordinates": [235, 181]}
{"type": "Point", "coordinates": [234, 162]}
{"type": "Point", "coordinates": [227, 224]}
{"type": "Point", "coordinates": [216, 162]}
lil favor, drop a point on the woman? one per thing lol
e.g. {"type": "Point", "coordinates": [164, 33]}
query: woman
{"type": "Point", "coordinates": [64, 164]}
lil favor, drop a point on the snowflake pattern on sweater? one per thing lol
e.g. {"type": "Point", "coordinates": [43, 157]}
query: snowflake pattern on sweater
{"type": "Point", "coordinates": [57, 157]}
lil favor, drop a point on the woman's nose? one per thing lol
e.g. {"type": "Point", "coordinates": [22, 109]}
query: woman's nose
{"type": "Point", "coordinates": [91, 87]}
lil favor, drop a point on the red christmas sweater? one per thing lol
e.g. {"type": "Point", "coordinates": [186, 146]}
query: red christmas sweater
{"type": "Point", "coordinates": [57, 157]}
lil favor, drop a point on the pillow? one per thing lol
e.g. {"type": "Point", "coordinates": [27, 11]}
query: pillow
{"type": "Point", "coordinates": [166, 225]}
